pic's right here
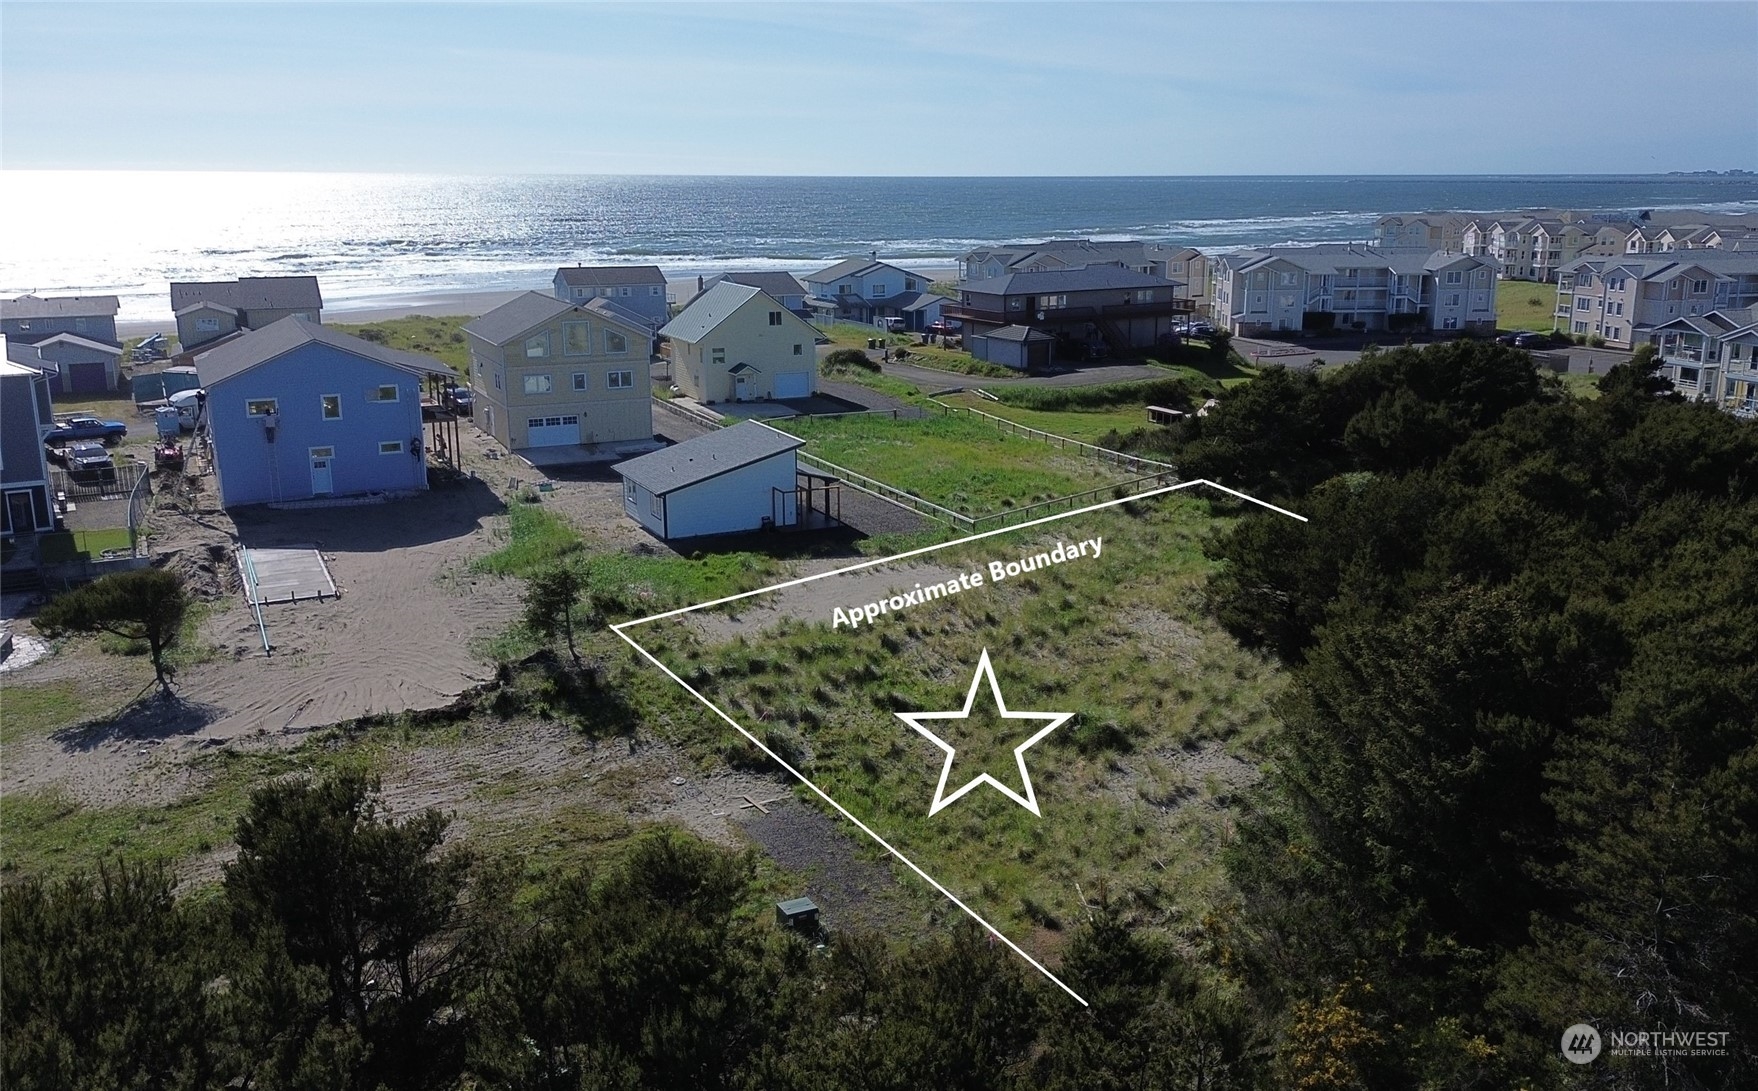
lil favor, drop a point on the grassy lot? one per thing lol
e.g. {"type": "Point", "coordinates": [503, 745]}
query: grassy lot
{"type": "Point", "coordinates": [535, 537]}
{"type": "Point", "coordinates": [77, 545]}
{"type": "Point", "coordinates": [1123, 644]}
{"type": "Point", "coordinates": [1580, 385]}
{"type": "Point", "coordinates": [442, 338]}
{"type": "Point", "coordinates": [1085, 425]}
{"type": "Point", "coordinates": [1516, 308]}
{"type": "Point", "coordinates": [958, 462]}
{"type": "Point", "coordinates": [1080, 412]}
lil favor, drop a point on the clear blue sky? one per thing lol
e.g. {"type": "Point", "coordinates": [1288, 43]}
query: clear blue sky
{"type": "Point", "coordinates": [852, 87]}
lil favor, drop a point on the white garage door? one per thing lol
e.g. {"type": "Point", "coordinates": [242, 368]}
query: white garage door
{"type": "Point", "coordinates": [793, 384]}
{"type": "Point", "coordinates": [552, 431]}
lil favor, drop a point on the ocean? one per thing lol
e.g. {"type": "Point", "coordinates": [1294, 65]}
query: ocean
{"type": "Point", "coordinates": [376, 239]}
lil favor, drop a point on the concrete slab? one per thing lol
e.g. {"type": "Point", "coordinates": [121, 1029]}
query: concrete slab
{"type": "Point", "coordinates": [580, 454]}
{"type": "Point", "coordinates": [285, 575]}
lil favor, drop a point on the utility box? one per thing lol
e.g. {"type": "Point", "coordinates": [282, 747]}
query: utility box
{"type": "Point", "coordinates": [800, 914]}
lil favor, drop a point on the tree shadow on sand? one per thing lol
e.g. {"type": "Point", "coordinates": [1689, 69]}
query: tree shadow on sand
{"type": "Point", "coordinates": [155, 716]}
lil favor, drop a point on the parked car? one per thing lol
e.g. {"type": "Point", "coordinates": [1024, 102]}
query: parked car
{"type": "Point", "coordinates": [90, 462]}
{"type": "Point", "coordinates": [460, 399]}
{"type": "Point", "coordinates": [1196, 329]}
{"type": "Point", "coordinates": [1532, 341]}
{"type": "Point", "coordinates": [74, 429]}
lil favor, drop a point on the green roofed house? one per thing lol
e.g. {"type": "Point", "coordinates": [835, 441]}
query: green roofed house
{"type": "Point", "coordinates": [738, 479]}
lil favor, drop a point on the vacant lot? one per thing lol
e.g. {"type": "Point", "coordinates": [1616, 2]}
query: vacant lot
{"type": "Point", "coordinates": [959, 462]}
{"type": "Point", "coordinates": [1525, 305]}
{"type": "Point", "coordinates": [1136, 790]}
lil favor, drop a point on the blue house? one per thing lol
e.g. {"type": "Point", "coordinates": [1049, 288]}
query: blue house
{"type": "Point", "coordinates": [26, 415]}
{"type": "Point", "coordinates": [297, 411]}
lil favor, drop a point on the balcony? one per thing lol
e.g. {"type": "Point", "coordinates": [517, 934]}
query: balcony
{"type": "Point", "coordinates": [1057, 316]}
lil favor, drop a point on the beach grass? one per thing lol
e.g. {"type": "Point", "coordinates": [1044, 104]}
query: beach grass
{"type": "Point", "coordinates": [956, 461]}
{"type": "Point", "coordinates": [1123, 802]}
{"type": "Point", "coordinates": [441, 338]}
{"type": "Point", "coordinates": [535, 537]}
{"type": "Point", "coordinates": [1086, 425]}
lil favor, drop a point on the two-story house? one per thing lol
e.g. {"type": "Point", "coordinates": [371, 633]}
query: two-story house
{"type": "Point", "coordinates": [784, 288]}
{"type": "Point", "coordinates": [29, 318]}
{"type": "Point", "coordinates": [27, 413]}
{"type": "Point", "coordinates": [1086, 306]}
{"type": "Point", "coordinates": [637, 289]}
{"type": "Point", "coordinates": [71, 337]}
{"type": "Point", "coordinates": [738, 343]}
{"type": "Point", "coordinates": [1285, 289]}
{"type": "Point", "coordinates": [209, 310]}
{"type": "Point", "coordinates": [1622, 298]}
{"type": "Point", "coordinates": [297, 411]}
{"type": "Point", "coordinates": [1429, 231]}
{"type": "Point", "coordinates": [548, 373]}
{"type": "Point", "coordinates": [861, 290]}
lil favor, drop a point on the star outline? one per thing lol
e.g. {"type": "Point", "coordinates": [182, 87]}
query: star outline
{"type": "Point", "coordinates": [985, 669]}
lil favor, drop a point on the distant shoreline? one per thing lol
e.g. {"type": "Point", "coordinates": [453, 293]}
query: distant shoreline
{"type": "Point", "coordinates": [394, 305]}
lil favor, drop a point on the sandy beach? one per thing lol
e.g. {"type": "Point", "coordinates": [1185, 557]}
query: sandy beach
{"type": "Point", "coordinates": [682, 286]}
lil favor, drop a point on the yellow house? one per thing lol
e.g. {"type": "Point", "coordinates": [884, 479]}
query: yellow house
{"type": "Point", "coordinates": [738, 343]}
{"type": "Point", "coordinates": [547, 372]}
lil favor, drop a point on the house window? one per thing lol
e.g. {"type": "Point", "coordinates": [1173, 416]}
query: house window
{"type": "Point", "coordinates": [261, 407]}
{"type": "Point", "coordinates": [579, 380]}
{"type": "Point", "coordinates": [1144, 295]}
{"type": "Point", "coordinates": [322, 452]}
{"type": "Point", "coordinates": [1580, 327]}
{"type": "Point", "coordinates": [909, 284]}
{"type": "Point", "coordinates": [615, 343]}
{"type": "Point", "coordinates": [1583, 304]}
{"type": "Point", "coordinates": [620, 380]}
{"type": "Point", "coordinates": [1051, 302]}
{"type": "Point", "coordinates": [332, 406]}
{"type": "Point", "coordinates": [386, 393]}
{"type": "Point", "coordinates": [576, 338]}
{"type": "Point", "coordinates": [391, 447]}
{"type": "Point", "coordinates": [878, 290]}
{"type": "Point", "coordinates": [579, 293]}
{"type": "Point", "coordinates": [79, 325]}
{"type": "Point", "coordinates": [497, 378]}
{"type": "Point", "coordinates": [537, 346]}
{"type": "Point", "coordinates": [843, 289]}
{"type": "Point", "coordinates": [799, 350]}
{"type": "Point", "coordinates": [1450, 324]}
{"type": "Point", "coordinates": [1453, 299]}
{"type": "Point", "coordinates": [1455, 277]}
{"type": "Point", "coordinates": [207, 325]}
{"type": "Point", "coordinates": [717, 356]}
{"type": "Point", "coordinates": [1698, 287]}
{"type": "Point", "coordinates": [775, 318]}
{"type": "Point", "coordinates": [538, 384]}
{"type": "Point", "coordinates": [628, 491]}
{"type": "Point", "coordinates": [625, 291]}
{"type": "Point", "coordinates": [656, 290]}
{"type": "Point", "coordinates": [1287, 280]}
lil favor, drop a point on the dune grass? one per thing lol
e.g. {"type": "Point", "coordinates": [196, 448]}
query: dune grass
{"type": "Point", "coordinates": [1122, 644]}
{"type": "Point", "coordinates": [1516, 309]}
{"type": "Point", "coordinates": [441, 338]}
{"type": "Point", "coordinates": [959, 462]}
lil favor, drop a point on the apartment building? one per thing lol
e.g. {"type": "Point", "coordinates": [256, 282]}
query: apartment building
{"type": "Point", "coordinates": [1285, 289]}
{"type": "Point", "coordinates": [1713, 358]}
{"type": "Point", "coordinates": [1622, 299]}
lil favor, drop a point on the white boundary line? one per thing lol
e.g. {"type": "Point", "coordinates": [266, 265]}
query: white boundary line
{"type": "Point", "coordinates": [801, 777]}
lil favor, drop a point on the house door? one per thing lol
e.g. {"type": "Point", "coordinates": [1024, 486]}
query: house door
{"type": "Point", "coordinates": [322, 483]}
{"type": "Point", "coordinates": [739, 389]}
{"type": "Point", "coordinates": [21, 514]}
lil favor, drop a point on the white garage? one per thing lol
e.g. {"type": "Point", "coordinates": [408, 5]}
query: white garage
{"type": "Point", "coordinates": [552, 431]}
{"type": "Point", "coordinates": [793, 384]}
{"type": "Point", "coordinates": [737, 479]}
